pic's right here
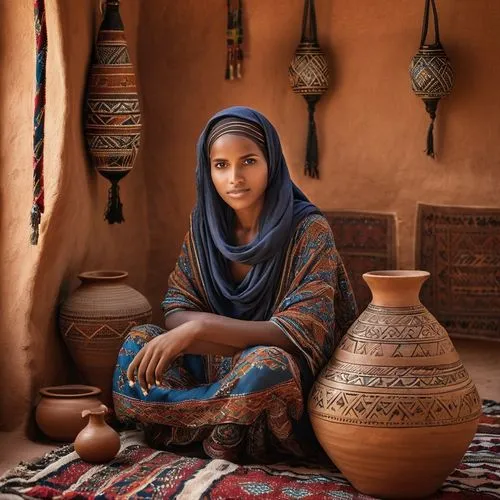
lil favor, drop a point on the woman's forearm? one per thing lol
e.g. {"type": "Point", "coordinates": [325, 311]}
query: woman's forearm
{"type": "Point", "coordinates": [231, 332]}
{"type": "Point", "coordinates": [180, 317]}
{"type": "Point", "coordinates": [241, 334]}
{"type": "Point", "coordinates": [205, 347]}
{"type": "Point", "coordinates": [198, 346]}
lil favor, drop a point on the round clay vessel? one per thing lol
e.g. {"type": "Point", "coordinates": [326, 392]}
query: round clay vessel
{"type": "Point", "coordinates": [94, 321]}
{"type": "Point", "coordinates": [59, 412]}
{"type": "Point", "coordinates": [97, 442]}
{"type": "Point", "coordinates": [395, 408]}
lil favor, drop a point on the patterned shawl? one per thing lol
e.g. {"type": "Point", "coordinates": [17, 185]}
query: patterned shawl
{"type": "Point", "coordinates": [213, 223]}
{"type": "Point", "coordinates": [314, 304]}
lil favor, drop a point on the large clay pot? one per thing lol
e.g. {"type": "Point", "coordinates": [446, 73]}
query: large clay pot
{"type": "Point", "coordinates": [97, 442]}
{"type": "Point", "coordinates": [395, 408]}
{"type": "Point", "coordinates": [94, 321]}
{"type": "Point", "coordinates": [59, 411]}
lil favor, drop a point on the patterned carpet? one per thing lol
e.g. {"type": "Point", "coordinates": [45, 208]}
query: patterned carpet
{"type": "Point", "coordinates": [366, 242]}
{"type": "Point", "coordinates": [140, 472]}
{"type": "Point", "coordinates": [460, 247]}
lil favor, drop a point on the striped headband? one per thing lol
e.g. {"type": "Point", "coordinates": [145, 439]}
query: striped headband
{"type": "Point", "coordinates": [237, 126]}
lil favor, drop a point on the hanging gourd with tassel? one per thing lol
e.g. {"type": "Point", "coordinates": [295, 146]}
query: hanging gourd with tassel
{"type": "Point", "coordinates": [431, 72]}
{"type": "Point", "coordinates": [308, 73]}
{"type": "Point", "coordinates": [113, 116]}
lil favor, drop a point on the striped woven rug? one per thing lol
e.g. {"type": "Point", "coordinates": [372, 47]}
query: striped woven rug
{"type": "Point", "coordinates": [141, 472]}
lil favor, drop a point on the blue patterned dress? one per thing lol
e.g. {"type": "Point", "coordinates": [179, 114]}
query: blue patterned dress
{"type": "Point", "coordinates": [254, 404]}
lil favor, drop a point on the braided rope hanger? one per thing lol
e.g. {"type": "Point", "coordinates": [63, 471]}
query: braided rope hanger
{"type": "Point", "coordinates": [39, 119]}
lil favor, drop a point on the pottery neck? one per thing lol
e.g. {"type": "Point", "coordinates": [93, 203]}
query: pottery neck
{"type": "Point", "coordinates": [97, 420]}
{"type": "Point", "coordinates": [112, 19]}
{"type": "Point", "coordinates": [395, 288]}
{"type": "Point", "coordinates": [102, 277]}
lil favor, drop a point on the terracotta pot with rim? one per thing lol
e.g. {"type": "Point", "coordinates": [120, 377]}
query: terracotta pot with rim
{"type": "Point", "coordinates": [59, 411]}
{"type": "Point", "coordinates": [395, 408]}
{"type": "Point", "coordinates": [95, 320]}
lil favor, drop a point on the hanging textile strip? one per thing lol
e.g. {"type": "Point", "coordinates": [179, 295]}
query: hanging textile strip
{"type": "Point", "coordinates": [229, 43]}
{"type": "Point", "coordinates": [239, 39]}
{"type": "Point", "coordinates": [234, 40]}
{"type": "Point", "coordinates": [39, 119]}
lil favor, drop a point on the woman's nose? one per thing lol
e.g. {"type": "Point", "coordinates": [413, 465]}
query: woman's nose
{"type": "Point", "coordinates": [235, 176]}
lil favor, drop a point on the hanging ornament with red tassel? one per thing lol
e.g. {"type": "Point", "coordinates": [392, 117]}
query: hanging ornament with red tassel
{"type": "Point", "coordinates": [308, 74]}
{"type": "Point", "coordinates": [431, 73]}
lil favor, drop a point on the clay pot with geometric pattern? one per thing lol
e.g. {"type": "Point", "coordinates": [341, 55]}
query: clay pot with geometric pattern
{"type": "Point", "coordinates": [394, 408]}
{"type": "Point", "coordinates": [94, 322]}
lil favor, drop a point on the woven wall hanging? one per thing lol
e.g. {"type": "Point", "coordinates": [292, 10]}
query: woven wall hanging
{"type": "Point", "coordinates": [113, 115]}
{"type": "Point", "coordinates": [431, 73]}
{"type": "Point", "coordinates": [38, 119]}
{"type": "Point", "coordinates": [308, 74]}
{"type": "Point", "coordinates": [234, 40]}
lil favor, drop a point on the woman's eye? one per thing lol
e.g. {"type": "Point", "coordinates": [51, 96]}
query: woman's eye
{"type": "Point", "coordinates": [249, 161]}
{"type": "Point", "coordinates": [219, 164]}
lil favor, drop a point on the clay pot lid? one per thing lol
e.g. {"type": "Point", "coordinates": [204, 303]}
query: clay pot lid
{"type": "Point", "coordinates": [393, 273]}
{"type": "Point", "coordinates": [103, 275]}
{"type": "Point", "coordinates": [70, 391]}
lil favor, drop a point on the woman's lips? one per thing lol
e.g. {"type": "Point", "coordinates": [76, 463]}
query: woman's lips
{"type": "Point", "coordinates": [238, 193]}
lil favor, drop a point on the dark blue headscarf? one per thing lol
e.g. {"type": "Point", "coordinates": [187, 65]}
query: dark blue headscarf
{"type": "Point", "coordinates": [213, 228]}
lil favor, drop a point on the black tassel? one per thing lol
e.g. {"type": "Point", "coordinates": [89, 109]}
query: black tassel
{"type": "Point", "coordinates": [114, 210]}
{"type": "Point", "coordinates": [430, 140]}
{"type": "Point", "coordinates": [35, 218]}
{"type": "Point", "coordinates": [311, 165]}
{"type": "Point", "coordinates": [431, 108]}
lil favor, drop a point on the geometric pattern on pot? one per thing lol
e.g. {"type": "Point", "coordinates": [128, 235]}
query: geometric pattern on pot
{"type": "Point", "coordinates": [396, 410]}
{"type": "Point", "coordinates": [397, 377]}
{"type": "Point", "coordinates": [103, 330]}
{"type": "Point", "coordinates": [403, 332]}
{"type": "Point", "coordinates": [366, 241]}
{"type": "Point", "coordinates": [460, 247]}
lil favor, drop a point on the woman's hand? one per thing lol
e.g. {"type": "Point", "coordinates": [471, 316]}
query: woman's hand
{"type": "Point", "coordinates": [159, 353]}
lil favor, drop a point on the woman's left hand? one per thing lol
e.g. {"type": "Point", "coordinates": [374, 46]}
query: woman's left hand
{"type": "Point", "coordinates": [159, 353]}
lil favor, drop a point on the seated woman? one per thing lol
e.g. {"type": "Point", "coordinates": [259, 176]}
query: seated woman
{"type": "Point", "coordinates": [257, 302]}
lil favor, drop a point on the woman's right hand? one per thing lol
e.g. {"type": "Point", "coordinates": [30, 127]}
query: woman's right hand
{"type": "Point", "coordinates": [157, 355]}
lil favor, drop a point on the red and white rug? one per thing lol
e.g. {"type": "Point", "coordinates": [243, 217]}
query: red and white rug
{"type": "Point", "coordinates": [141, 472]}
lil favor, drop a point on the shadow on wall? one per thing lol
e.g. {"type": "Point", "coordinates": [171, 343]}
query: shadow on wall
{"type": "Point", "coordinates": [74, 236]}
{"type": "Point", "coordinates": [3, 305]}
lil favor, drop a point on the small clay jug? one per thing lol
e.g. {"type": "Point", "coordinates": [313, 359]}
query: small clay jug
{"type": "Point", "coordinates": [97, 442]}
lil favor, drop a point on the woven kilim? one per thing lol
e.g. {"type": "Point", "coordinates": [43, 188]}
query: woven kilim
{"type": "Point", "coordinates": [460, 247]}
{"type": "Point", "coordinates": [141, 472]}
{"type": "Point", "coordinates": [366, 242]}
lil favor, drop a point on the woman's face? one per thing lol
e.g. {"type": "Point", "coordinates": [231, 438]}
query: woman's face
{"type": "Point", "coordinates": [239, 171]}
